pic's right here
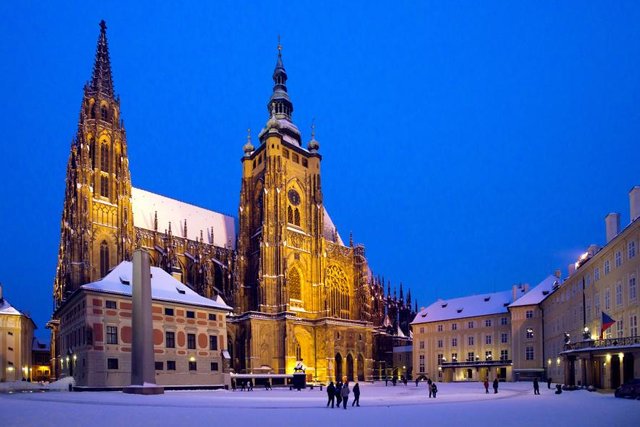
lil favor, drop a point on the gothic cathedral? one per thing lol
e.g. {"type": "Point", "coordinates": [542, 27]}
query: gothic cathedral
{"type": "Point", "coordinates": [300, 294]}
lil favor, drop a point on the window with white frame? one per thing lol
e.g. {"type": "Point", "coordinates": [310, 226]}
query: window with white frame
{"type": "Point", "coordinates": [470, 341]}
{"type": "Point", "coordinates": [422, 330]}
{"type": "Point", "coordinates": [471, 356]}
{"type": "Point", "coordinates": [529, 333]}
{"type": "Point", "coordinates": [620, 328]}
{"type": "Point", "coordinates": [503, 321]}
{"type": "Point", "coordinates": [112, 335]}
{"type": "Point", "coordinates": [504, 338]}
{"type": "Point", "coordinates": [439, 343]}
{"type": "Point", "coordinates": [633, 293]}
{"type": "Point", "coordinates": [504, 354]}
{"type": "Point", "coordinates": [631, 249]}
{"type": "Point", "coordinates": [454, 342]}
{"type": "Point", "coordinates": [421, 345]}
{"type": "Point", "coordinates": [608, 333]}
{"type": "Point", "coordinates": [454, 326]}
{"type": "Point", "coordinates": [619, 293]}
{"type": "Point", "coordinates": [488, 339]}
{"type": "Point", "coordinates": [618, 259]}
{"type": "Point", "coordinates": [487, 323]}
{"type": "Point", "coordinates": [587, 279]}
{"type": "Point", "coordinates": [470, 325]}
{"type": "Point", "coordinates": [440, 328]}
{"type": "Point", "coordinates": [529, 314]}
{"type": "Point", "coordinates": [488, 355]}
{"type": "Point", "coordinates": [421, 363]}
{"type": "Point", "coordinates": [440, 357]}
{"type": "Point", "coordinates": [528, 353]}
{"type": "Point", "coordinates": [607, 299]}
{"type": "Point", "coordinates": [454, 357]}
{"type": "Point", "coordinates": [607, 267]}
{"type": "Point", "coordinates": [633, 325]}
{"type": "Point", "coordinates": [596, 274]}
{"type": "Point", "coordinates": [596, 303]}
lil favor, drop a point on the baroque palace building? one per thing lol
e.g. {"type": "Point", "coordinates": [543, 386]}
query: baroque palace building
{"type": "Point", "coordinates": [582, 331]}
{"type": "Point", "coordinates": [298, 292]}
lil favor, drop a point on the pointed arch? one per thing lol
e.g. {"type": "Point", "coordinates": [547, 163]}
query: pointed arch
{"type": "Point", "coordinates": [296, 217]}
{"type": "Point", "coordinates": [104, 258]}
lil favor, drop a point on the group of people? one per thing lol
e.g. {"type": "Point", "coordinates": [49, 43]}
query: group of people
{"type": "Point", "coordinates": [496, 383]}
{"type": "Point", "coordinates": [432, 388]}
{"type": "Point", "coordinates": [339, 393]}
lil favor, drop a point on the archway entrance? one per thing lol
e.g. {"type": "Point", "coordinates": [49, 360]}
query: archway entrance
{"type": "Point", "coordinates": [360, 368]}
{"type": "Point", "coordinates": [627, 367]}
{"type": "Point", "coordinates": [615, 371]}
{"type": "Point", "coordinates": [350, 367]}
{"type": "Point", "coordinates": [338, 367]}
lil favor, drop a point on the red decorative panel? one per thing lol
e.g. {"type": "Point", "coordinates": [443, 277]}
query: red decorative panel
{"type": "Point", "coordinates": [181, 339]}
{"type": "Point", "coordinates": [97, 302]}
{"type": "Point", "coordinates": [202, 315]}
{"type": "Point", "coordinates": [97, 332]}
{"type": "Point", "coordinates": [126, 305]}
{"type": "Point", "coordinates": [125, 334]}
{"type": "Point", "coordinates": [157, 337]}
{"type": "Point", "coordinates": [203, 340]}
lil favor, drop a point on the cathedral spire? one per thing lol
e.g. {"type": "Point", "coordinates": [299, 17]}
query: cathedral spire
{"type": "Point", "coordinates": [280, 98]}
{"type": "Point", "coordinates": [101, 80]}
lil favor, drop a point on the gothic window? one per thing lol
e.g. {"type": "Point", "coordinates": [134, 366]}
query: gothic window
{"type": "Point", "coordinates": [290, 215]}
{"type": "Point", "coordinates": [93, 111]}
{"type": "Point", "coordinates": [104, 258]}
{"type": "Point", "coordinates": [104, 158]}
{"type": "Point", "coordinates": [296, 217]}
{"type": "Point", "coordinates": [104, 186]}
{"type": "Point", "coordinates": [298, 352]}
{"type": "Point", "coordinates": [103, 112]}
{"type": "Point", "coordinates": [293, 281]}
{"type": "Point", "coordinates": [338, 292]}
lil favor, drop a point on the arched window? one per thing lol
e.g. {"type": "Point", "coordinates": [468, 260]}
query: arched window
{"type": "Point", "coordinates": [104, 186]}
{"type": "Point", "coordinates": [296, 217]}
{"type": "Point", "coordinates": [290, 215]}
{"type": "Point", "coordinates": [103, 112]}
{"type": "Point", "coordinates": [338, 292]}
{"type": "Point", "coordinates": [104, 258]}
{"type": "Point", "coordinates": [298, 352]}
{"type": "Point", "coordinates": [104, 157]}
{"type": "Point", "coordinates": [293, 281]}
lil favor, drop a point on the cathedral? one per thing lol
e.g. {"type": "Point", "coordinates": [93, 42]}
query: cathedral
{"type": "Point", "coordinates": [300, 294]}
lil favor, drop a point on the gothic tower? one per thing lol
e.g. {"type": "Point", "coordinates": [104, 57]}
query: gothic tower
{"type": "Point", "coordinates": [97, 226]}
{"type": "Point", "coordinates": [301, 293]}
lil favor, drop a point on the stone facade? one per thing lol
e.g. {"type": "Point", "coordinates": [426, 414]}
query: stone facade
{"type": "Point", "coordinates": [16, 337]}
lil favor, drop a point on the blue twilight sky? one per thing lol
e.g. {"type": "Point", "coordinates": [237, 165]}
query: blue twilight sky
{"type": "Point", "coordinates": [469, 145]}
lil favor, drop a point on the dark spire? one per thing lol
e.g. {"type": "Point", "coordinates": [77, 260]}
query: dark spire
{"type": "Point", "coordinates": [101, 80]}
{"type": "Point", "coordinates": [283, 105]}
{"type": "Point", "coordinates": [401, 293]}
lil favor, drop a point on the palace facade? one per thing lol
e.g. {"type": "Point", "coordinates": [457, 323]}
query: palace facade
{"type": "Point", "coordinates": [298, 291]}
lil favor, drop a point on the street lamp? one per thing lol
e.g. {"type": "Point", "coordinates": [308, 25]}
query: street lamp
{"type": "Point", "coordinates": [586, 334]}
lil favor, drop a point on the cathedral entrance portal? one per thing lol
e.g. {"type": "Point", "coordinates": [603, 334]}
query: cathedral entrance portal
{"type": "Point", "coordinates": [338, 367]}
{"type": "Point", "coordinates": [360, 368]}
{"type": "Point", "coordinates": [350, 367]}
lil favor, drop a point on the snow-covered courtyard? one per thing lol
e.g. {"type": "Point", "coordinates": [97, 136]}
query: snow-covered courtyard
{"type": "Point", "coordinates": [456, 404]}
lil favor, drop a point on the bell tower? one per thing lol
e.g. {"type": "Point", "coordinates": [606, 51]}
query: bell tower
{"type": "Point", "coordinates": [280, 213]}
{"type": "Point", "coordinates": [97, 223]}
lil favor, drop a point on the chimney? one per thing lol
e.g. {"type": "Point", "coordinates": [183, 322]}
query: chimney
{"type": "Point", "coordinates": [612, 224]}
{"type": "Point", "coordinates": [572, 269]}
{"type": "Point", "coordinates": [558, 274]}
{"type": "Point", "coordinates": [634, 202]}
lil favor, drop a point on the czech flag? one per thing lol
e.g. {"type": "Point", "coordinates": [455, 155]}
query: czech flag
{"type": "Point", "coordinates": [607, 322]}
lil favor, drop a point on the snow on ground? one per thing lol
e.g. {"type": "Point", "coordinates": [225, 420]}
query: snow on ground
{"type": "Point", "coordinates": [457, 404]}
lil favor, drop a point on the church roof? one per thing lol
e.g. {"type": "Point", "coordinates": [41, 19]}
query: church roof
{"type": "Point", "coordinates": [164, 287]}
{"type": "Point", "coordinates": [469, 306]}
{"type": "Point", "coordinates": [146, 204]}
{"type": "Point", "coordinates": [329, 228]}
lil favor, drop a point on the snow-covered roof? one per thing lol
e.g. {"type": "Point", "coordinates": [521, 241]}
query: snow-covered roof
{"type": "Point", "coordinates": [6, 308]}
{"type": "Point", "coordinates": [146, 204]}
{"type": "Point", "coordinates": [537, 294]}
{"type": "Point", "coordinates": [470, 306]}
{"type": "Point", "coordinates": [329, 227]}
{"type": "Point", "coordinates": [164, 287]}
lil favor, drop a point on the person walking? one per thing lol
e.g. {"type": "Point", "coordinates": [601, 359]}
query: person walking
{"type": "Point", "coordinates": [356, 395]}
{"type": "Point", "coordinates": [536, 386]}
{"type": "Point", "coordinates": [486, 385]}
{"type": "Point", "coordinates": [429, 384]}
{"type": "Point", "coordinates": [339, 394]}
{"type": "Point", "coordinates": [331, 394]}
{"type": "Point", "coordinates": [345, 394]}
{"type": "Point", "coordinates": [434, 389]}
{"type": "Point", "coordinates": [549, 383]}
{"type": "Point", "coordinates": [495, 385]}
